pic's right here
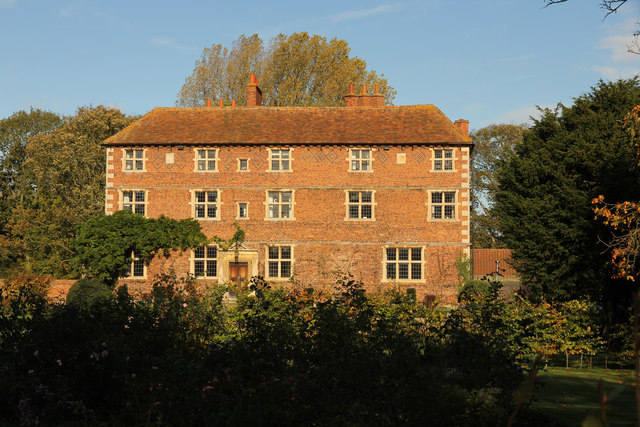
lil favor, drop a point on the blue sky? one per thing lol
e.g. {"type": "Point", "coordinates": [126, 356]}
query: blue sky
{"type": "Point", "coordinates": [485, 61]}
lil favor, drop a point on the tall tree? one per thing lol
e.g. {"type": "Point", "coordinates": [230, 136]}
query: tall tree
{"type": "Point", "coordinates": [65, 173]}
{"type": "Point", "coordinates": [570, 155]}
{"type": "Point", "coordinates": [295, 70]}
{"type": "Point", "coordinates": [492, 145]}
{"type": "Point", "coordinates": [15, 133]}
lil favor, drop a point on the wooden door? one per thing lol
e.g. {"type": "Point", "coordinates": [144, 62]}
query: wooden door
{"type": "Point", "coordinates": [238, 271]}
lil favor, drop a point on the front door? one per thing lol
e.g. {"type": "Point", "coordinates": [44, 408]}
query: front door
{"type": "Point", "coordinates": [238, 271]}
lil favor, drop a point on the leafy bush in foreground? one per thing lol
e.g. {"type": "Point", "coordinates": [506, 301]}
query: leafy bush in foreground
{"type": "Point", "coordinates": [272, 357]}
{"type": "Point", "coordinates": [87, 292]}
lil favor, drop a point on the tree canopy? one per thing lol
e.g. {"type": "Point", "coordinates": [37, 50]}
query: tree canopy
{"type": "Point", "coordinates": [570, 155]}
{"type": "Point", "coordinates": [105, 243]}
{"type": "Point", "coordinates": [492, 145]}
{"type": "Point", "coordinates": [64, 174]}
{"type": "Point", "coordinates": [15, 133]}
{"type": "Point", "coordinates": [295, 70]}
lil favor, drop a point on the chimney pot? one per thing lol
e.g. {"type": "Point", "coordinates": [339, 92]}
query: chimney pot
{"type": "Point", "coordinates": [233, 102]}
{"type": "Point", "coordinates": [364, 89]}
{"type": "Point", "coordinates": [208, 102]}
{"type": "Point", "coordinates": [221, 103]}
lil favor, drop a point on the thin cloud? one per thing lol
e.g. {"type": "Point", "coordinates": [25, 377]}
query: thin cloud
{"type": "Point", "coordinates": [521, 115]}
{"type": "Point", "coordinates": [67, 10]}
{"type": "Point", "coordinates": [613, 73]}
{"type": "Point", "coordinates": [362, 13]}
{"type": "Point", "coordinates": [113, 20]}
{"type": "Point", "coordinates": [171, 44]}
{"type": "Point", "coordinates": [7, 3]}
{"type": "Point", "coordinates": [618, 41]}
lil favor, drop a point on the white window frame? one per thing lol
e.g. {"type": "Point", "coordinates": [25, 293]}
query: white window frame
{"type": "Point", "coordinates": [195, 203]}
{"type": "Point", "coordinates": [238, 210]}
{"type": "Point", "coordinates": [128, 273]}
{"type": "Point", "coordinates": [135, 200]}
{"type": "Point", "coordinates": [138, 158]}
{"type": "Point", "coordinates": [272, 157]}
{"type": "Point", "coordinates": [355, 160]}
{"type": "Point", "coordinates": [397, 262]}
{"type": "Point", "coordinates": [443, 204]}
{"type": "Point", "coordinates": [197, 159]}
{"type": "Point", "coordinates": [269, 262]}
{"type": "Point", "coordinates": [268, 203]}
{"type": "Point", "coordinates": [240, 160]}
{"type": "Point", "coordinates": [359, 204]}
{"type": "Point", "coordinates": [440, 160]}
{"type": "Point", "coordinates": [205, 259]}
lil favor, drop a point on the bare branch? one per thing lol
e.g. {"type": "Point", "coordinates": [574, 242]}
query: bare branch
{"type": "Point", "coordinates": [612, 6]}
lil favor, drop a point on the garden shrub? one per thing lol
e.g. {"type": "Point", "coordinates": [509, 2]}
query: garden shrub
{"type": "Point", "coordinates": [276, 357]}
{"type": "Point", "coordinates": [87, 292]}
{"type": "Point", "coordinates": [474, 288]}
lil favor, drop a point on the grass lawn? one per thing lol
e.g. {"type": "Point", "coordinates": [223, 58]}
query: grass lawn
{"type": "Point", "coordinates": [568, 395]}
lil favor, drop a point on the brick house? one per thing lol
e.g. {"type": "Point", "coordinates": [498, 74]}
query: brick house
{"type": "Point", "coordinates": [379, 191]}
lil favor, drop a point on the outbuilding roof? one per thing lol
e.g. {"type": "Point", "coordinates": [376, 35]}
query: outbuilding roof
{"type": "Point", "coordinates": [404, 125]}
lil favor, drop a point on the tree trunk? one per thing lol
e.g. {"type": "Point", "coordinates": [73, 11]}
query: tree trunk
{"type": "Point", "coordinates": [581, 361]}
{"type": "Point", "coordinates": [566, 357]}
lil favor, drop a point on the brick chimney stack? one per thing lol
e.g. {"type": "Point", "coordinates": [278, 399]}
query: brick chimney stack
{"type": "Point", "coordinates": [254, 94]}
{"type": "Point", "coordinates": [351, 99]}
{"type": "Point", "coordinates": [462, 125]}
{"type": "Point", "coordinates": [364, 99]}
{"type": "Point", "coordinates": [377, 99]}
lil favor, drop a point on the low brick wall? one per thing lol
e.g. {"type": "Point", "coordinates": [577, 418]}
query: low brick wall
{"type": "Point", "coordinates": [59, 289]}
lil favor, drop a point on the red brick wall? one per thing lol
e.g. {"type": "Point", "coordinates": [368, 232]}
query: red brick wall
{"type": "Point", "coordinates": [322, 239]}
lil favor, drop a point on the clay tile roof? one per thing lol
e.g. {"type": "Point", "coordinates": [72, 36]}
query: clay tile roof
{"type": "Point", "coordinates": [415, 124]}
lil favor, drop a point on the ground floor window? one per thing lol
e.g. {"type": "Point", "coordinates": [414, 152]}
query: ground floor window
{"type": "Point", "coordinates": [403, 263]}
{"type": "Point", "coordinates": [279, 262]}
{"type": "Point", "coordinates": [205, 261]}
{"type": "Point", "coordinates": [136, 267]}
